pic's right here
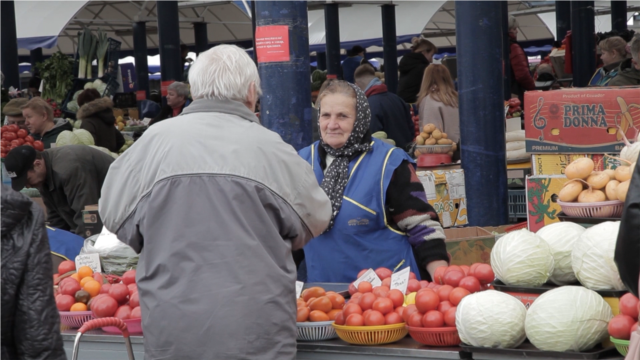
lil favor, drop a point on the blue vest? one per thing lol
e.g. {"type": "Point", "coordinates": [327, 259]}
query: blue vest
{"type": "Point", "coordinates": [361, 237]}
{"type": "Point", "coordinates": [64, 243]}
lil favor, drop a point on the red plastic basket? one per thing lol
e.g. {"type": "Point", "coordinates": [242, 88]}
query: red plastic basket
{"type": "Point", "coordinates": [444, 336]}
{"type": "Point", "coordinates": [75, 319]}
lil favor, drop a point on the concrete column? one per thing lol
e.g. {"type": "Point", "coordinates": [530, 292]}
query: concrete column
{"type": "Point", "coordinates": [200, 34]}
{"type": "Point", "coordinates": [332, 39]}
{"type": "Point", "coordinates": [140, 55]}
{"type": "Point", "coordinates": [9, 53]}
{"type": "Point", "coordinates": [171, 66]}
{"type": "Point", "coordinates": [390, 47]}
{"type": "Point", "coordinates": [583, 42]}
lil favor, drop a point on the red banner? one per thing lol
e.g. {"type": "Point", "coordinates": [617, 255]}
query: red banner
{"type": "Point", "coordinates": [164, 86]}
{"type": "Point", "coordinates": [141, 95]}
{"type": "Point", "coordinates": [272, 43]}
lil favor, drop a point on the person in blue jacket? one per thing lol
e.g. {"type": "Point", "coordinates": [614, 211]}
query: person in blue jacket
{"type": "Point", "coordinates": [380, 212]}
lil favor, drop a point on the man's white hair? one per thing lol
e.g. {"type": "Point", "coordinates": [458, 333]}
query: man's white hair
{"type": "Point", "coordinates": [634, 47]}
{"type": "Point", "coordinates": [513, 23]}
{"type": "Point", "coordinates": [223, 72]}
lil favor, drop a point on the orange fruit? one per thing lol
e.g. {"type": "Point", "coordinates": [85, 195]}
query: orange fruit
{"type": "Point", "coordinates": [84, 272]}
{"type": "Point", "coordinates": [78, 307]}
{"type": "Point", "coordinates": [75, 276]}
{"type": "Point", "coordinates": [86, 280]}
{"type": "Point", "coordinates": [92, 287]}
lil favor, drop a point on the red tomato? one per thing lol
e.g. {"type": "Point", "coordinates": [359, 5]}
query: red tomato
{"type": "Point", "coordinates": [396, 296]}
{"type": "Point", "coordinates": [134, 299]}
{"type": "Point", "coordinates": [426, 301]}
{"type": "Point", "coordinates": [38, 145]}
{"type": "Point", "coordinates": [470, 283]}
{"type": "Point", "coordinates": [98, 277]}
{"type": "Point", "coordinates": [340, 318]}
{"type": "Point", "coordinates": [29, 139]}
{"type": "Point", "coordinates": [13, 128]}
{"type": "Point", "coordinates": [104, 289]}
{"type": "Point", "coordinates": [15, 143]}
{"type": "Point", "coordinates": [9, 136]}
{"type": "Point", "coordinates": [439, 274]}
{"type": "Point", "coordinates": [366, 301]}
{"type": "Point", "coordinates": [444, 306]}
{"type": "Point", "coordinates": [383, 305]}
{"type": "Point", "coordinates": [135, 313]}
{"type": "Point", "coordinates": [472, 269]}
{"type": "Point", "coordinates": [412, 276]}
{"type": "Point", "coordinates": [383, 273]}
{"type": "Point", "coordinates": [433, 319]}
{"type": "Point", "coordinates": [350, 309]}
{"type": "Point", "coordinates": [20, 141]}
{"type": "Point", "coordinates": [450, 317]}
{"type": "Point", "coordinates": [22, 133]}
{"type": "Point", "coordinates": [424, 284]}
{"type": "Point", "coordinates": [381, 291]}
{"type": "Point", "coordinates": [374, 318]}
{"type": "Point", "coordinates": [354, 320]}
{"type": "Point", "coordinates": [352, 289]}
{"type": "Point", "coordinates": [457, 294]}
{"type": "Point", "coordinates": [393, 318]}
{"type": "Point", "coordinates": [620, 327]}
{"type": "Point", "coordinates": [119, 292]}
{"type": "Point", "coordinates": [355, 298]}
{"type": "Point", "coordinates": [70, 287]}
{"type": "Point", "coordinates": [129, 277]}
{"type": "Point", "coordinates": [465, 269]}
{"type": "Point", "coordinates": [361, 273]}
{"type": "Point", "coordinates": [105, 306]}
{"type": "Point", "coordinates": [453, 277]}
{"type": "Point", "coordinates": [408, 311]}
{"type": "Point", "coordinates": [415, 320]}
{"type": "Point", "coordinates": [400, 311]}
{"type": "Point", "coordinates": [365, 287]}
{"type": "Point", "coordinates": [64, 302]}
{"type": "Point", "coordinates": [484, 273]}
{"type": "Point", "coordinates": [444, 292]}
{"type": "Point", "coordinates": [132, 288]}
{"type": "Point", "coordinates": [413, 286]}
{"type": "Point", "coordinates": [629, 305]}
{"type": "Point", "coordinates": [387, 282]}
{"type": "Point", "coordinates": [123, 312]}
{"type": "Point", "coordinates": [365, 313]}
{"type": "Point", "coordinates": [3, 129]}
{"type": "Point", "coordinates": [453, 268]}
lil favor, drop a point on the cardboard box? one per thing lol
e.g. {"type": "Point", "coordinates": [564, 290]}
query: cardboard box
{"type": "Point", "coordinates": [91, 220]}
{"type": "Point", "coordinates": [582, 120]}
{"type": "Point", "coordinates": [445, 191]}
{"type": "Point", "coordinates": [555, 164]}
{"type": "Point", "coordinates": [469, 245]}
{"type": "Point", "coordinates": [517, 175]}
{"type": "Point", "coordinates": [542, 194]}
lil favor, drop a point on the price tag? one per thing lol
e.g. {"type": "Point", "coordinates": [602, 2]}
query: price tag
{"type": "Point", "coordinates": [299, 286]}
{"type": "Point", "coordinates": [400, 279]}
{"type": "Point", "coordinates": [369, 276]}
{"type": "Point", "coordinates": [90, 260]}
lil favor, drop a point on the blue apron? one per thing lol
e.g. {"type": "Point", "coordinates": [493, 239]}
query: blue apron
{"type": "Point", "coordinates": [361, 237]}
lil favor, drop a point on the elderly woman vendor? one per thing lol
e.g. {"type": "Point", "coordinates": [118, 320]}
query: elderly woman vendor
{"type": "Point", "coordinates": [380, 212]}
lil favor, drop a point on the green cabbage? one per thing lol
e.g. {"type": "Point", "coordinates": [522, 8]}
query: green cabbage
{"type": "Point", "coordinates": [67, 138]}
{"type": "Point", "coordinates": [88, 85]}
{"type": "Point", "coordinates": [84, 136]}
{"type": "Point", "coordinates": [77, 124]}
{"type": "Point", "coordinates": [75, 96]}
{"type": "Point", "coordinates": [101, 88]}
{"type": "Point", "coordinates": [73, 106]}
{"type": "Point", "coordinates": [561, 237]}
{"type": "Point", "coordinates": [522, 258]}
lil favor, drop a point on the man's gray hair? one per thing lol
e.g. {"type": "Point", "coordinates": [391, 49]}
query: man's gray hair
{"type": "Point", "coordinates": [513, 23]}
{"type": "Point", "coordinates": [223, 72]}
{"type": "Point", "coordinates": [180, 88]}
{"type": "Point", "coordinates": [635, 48]}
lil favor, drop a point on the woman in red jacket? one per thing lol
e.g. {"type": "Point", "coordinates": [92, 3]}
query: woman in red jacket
{"type": "Point", "coordinates": [521, 79]}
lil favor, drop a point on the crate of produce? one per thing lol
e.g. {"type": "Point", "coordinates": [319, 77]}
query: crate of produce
{"type": "Point", "coordinates": [316, 331]}
{"type": "Point", "coordinates": [371, 335]}
{"type": "Point", "coordinates": [446, 336]}
{"type": "Point", "coordinates": [517, 203]}
{"type": "Point", "coordinates": [528, 351]}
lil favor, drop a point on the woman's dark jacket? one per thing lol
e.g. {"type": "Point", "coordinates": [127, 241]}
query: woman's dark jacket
{"type": "Point", "coordinates": [97, 118]}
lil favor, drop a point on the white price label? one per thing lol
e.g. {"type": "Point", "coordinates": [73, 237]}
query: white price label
{"type": "Point", "coordinates": [299, 286]}
{"type": "Point", "coordinates": [90, 260]}
{"type": "Point", "coordinates": [400, 280]}
{"type": "Point", "coordinates": [369, 276]}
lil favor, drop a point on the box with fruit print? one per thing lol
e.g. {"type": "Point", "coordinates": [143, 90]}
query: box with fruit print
{"type": "Point", "coordinates": [542, 195]}
{"type": "Point", "coordinates": [469, 245]}
{"type": "Point", "coordinates": [555, 164]}
{"type": "Point", "coordinates": [445, 191]}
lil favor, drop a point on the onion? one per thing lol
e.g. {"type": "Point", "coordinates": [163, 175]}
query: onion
{"type": "Point", "coordinates": [579, 169]}
{"type": "Point", "coordinates": [598, 180]}
{"type": "Point", "coordinates": [436, 134]}
{"type": "Point", "coordinates": [591, 196]}
{"type": "Point", "coordinates": [622, 189]}
{"type": "Point", "coordinates": [570, 191]}
{"type": "Point", "coordinates": [623, 173]}
{"type": "Point", "coordinates": [610, 190]}
{"type": "Point", "coordinates": [611, 173]}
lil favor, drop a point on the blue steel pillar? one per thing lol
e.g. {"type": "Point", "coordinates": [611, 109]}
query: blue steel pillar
{"type": "Point", "coordinates": [483, 150]}
{"type": "Point", "coordinates": [35, 57]}
{"type": "Point", "coordinates": [583, 42]}
{"type": "Point", "coordinates": [321, 58]}
{"type": "Point", "coordinates": [200, 34]}
{"type": "Point", "coordinates": [563, 19]}
{"type": "Point", "coordinates": [619, 15]}
{"type": "Point", "coordinates": [9, 53]}
{"type": "Point", "coordinates": [506, 45]}
{"type": "Point", "coordinates": [332, 38]}
{"type": "Point", "coordinates": [140, 55]}
{"type": "Point", "coordinates": [390, 47]}
{"type": "Point", "coordinates": [171, 66]}
{"type": "Point", "coordinates": [285, 105]}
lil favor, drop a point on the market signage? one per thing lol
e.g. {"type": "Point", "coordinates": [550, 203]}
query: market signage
{"type": "Point", "coordinates": [369, 276]}
{"type": "Point", "coordinates": [90, 260]}
{"type": "Point", "coordinates": [272, 43]}
{"type": "Point", "coordinates": [400, 280]}
{"type": "Point", "coordinates": [299, 286]}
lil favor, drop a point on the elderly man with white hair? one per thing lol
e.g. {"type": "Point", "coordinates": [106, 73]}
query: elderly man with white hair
{"type": "Point", "coordinates": [215, 203]}
{"type": "Point", "coordinates": [177, 100]}
{"type": "Point", "coordinates": [521, 79]}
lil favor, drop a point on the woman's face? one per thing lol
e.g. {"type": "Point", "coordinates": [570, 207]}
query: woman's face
{"type": "Point", "coordinates": [35, 122]}
{"type": "Point", "coordinates": [337, 117]}
{"type": "Point", "coordinates": [608, 57]}
{"type": "Point", "coordinates": [429, 54]}
{"type": "Point", "coordinates": [173, 99]}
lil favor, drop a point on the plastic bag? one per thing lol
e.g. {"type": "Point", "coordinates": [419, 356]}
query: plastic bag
{"type": "Point", "coordinates": [116, 257]}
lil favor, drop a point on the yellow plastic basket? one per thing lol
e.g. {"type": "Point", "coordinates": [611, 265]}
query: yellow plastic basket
{"type": "Point", "coordinates": [371, 335]}
{"type": "Point", "coordinates": [621, 345]}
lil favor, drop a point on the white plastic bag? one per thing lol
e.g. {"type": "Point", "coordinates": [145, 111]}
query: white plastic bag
{"type": "Point", "coordinates": [116, 257]}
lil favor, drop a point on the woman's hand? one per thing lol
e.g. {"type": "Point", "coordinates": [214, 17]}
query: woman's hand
{"type": "Point", "coordinates": [432, 266]}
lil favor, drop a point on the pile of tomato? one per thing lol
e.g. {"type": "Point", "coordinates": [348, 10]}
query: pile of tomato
{"type": "Point", "coordinates": [13, 136]}
{"type": "Point", "coordinates": [624, 324]}
{"type": "Point", "coordinates": [316, 304]}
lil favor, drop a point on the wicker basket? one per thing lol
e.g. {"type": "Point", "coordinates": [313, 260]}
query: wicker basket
{"type": "Point", "coordinates": [445, 336]}
{"type": "Point", "coordinates": [316, 331]}
{"type": "Point", "coordinates": [371, 335]}
{"type": "Point", "coordinates": [75, 319]}
{"type": "Point", "coordinates": [434, 149]}
{"type": "Point", "coordinates": [603, 209]}
{"type": "Point", "coordinates": [621, 345]}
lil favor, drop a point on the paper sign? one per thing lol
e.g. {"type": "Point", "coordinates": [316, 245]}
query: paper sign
{"type": "Point", "coordinates": [272, 43]}
{"type": "Point", "coordinates": [90, 260]}
{"type": "Point", "coordinates": [429, 183]}
{"type": "Point", "coordinates": [400, 279]}
{"type": "Point", "coordinates": [299, 286]}
{"type": "Point", "coordinates": [369, 276]}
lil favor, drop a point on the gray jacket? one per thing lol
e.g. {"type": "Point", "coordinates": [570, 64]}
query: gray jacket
{"type": "Point", "coordinates": [215, 203]}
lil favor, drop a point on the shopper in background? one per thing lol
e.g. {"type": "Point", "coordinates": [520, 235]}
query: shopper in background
{"type": "Point", "coordinates": [12, 111]}
{"type": "Point", "coordinates": [215, 215]}
{"type": "Point", "coordinates": [521, 79]}
{"type": "Point", "coordinates": [39, 119]}
{"type": "Point", "coordinates": [349, 65]}
{"type": "Point", "coordinates": [389, 113]}
{"type": "Point", "coordinates": [177, 100]}
{"type": "Point", "coordinates": [412, 67]}
{"type": "Point", "coordinates": [30, 320]}
{"type": "Point", "coordinates": [96, 113]}
{"type": "Point", "coordinates": [613, 54]}
{"type": "Point", "coordinates": [380, 212]}
{"type": "Point", "coordinates": [628, 73]}
{"type": "Point", "coordinates": [34, 86]}
{"type": "Point", "coordinates": [438, 101]}
{"type": "Point", "coordinates": [68, 178]}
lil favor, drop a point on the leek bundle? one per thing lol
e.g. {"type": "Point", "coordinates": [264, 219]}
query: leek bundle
{"type": "Point", "coordinates": [85, 39]}
{"type": "Point", "coordinates": [91, 54]}
{"type": "Point", "coordinates": [103, 45]}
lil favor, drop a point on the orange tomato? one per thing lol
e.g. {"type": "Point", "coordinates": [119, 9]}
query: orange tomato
{"type": "Point", "coordinates": [322, 304]}
{"type": "Point", "coordinates": [303, 314]}
{"type": "Point", "coordinates": [76, 277]}
{"type": "Point", "coordinates": [352, 309]}
{"type": "Point", "coordinates": [300, 303]}
{"type": "Point", "coordinates": [313, 292]}
{"type": "Point", "coordinates": [310, 301]}
{"type": "Point", "coordinates": [78, 307]}
{"type": "Point", "coordinates": [365, 287]}
{"type": "Point", "coordinates": [318, 315]}
{"type": "Point", "coordinates": [84, 272]}
{"type": "Point", "coordinates": [333, 314]}
{"type": "Point", "coordinates": [92, 287]}
{"type": "Point", "coordinates": [366, 301]}
{"type": "Point", "coordinates": [457, 294]}
{"type": "Point", "coordinates": [86, 280]}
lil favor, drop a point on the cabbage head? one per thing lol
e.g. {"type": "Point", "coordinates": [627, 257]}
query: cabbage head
{"type": "Point", "coordinates": [84, 136]}
{"type": "Point", "coordinates": [522, 258]}
{"type": "Point", "coordinates": [569, 318]}
{"type": "Point", "coordinates": [73, 106]}
{"type": "Point", "coordinates": [76, 94]}
{"type": "Point", "coordinates": [67, 138]}
{"type": "Point", "coordinates": [491, 319]}
{"type": "Point", "coordinates": [77, 124]}
{"type": "Point", "coordinates": [561, 236]}
{"type": "Point", "coordinates": [592, 257]}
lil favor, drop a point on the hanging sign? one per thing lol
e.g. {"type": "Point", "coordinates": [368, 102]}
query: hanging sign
{"type": "Point", "coordinates": [272, 43]}
{"type": "Point", "coordinates": [164, 86]}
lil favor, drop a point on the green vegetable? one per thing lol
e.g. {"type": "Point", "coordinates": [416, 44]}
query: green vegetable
{"type": "Point", "coordinates": [101, 88]}
{"type": "Point", "coordinates": [103, 45]}
{"type": "Point", "coordinates": [57, 74]}
{"type": "Point", "coordinates": [85, 137]}
{"type": "Point", "coordinates": [67, 138]}
{"type": "Point", "coordinates": [88, 85]}
{"type": "Point", "coordinates": [91, 54]}
{"type": "Point", "coordinates": [73, 106]}
{"type": "Point", "coordinates": [75, 96]}
{"type": "Point", "coordinates": [84, 46]}
{"type": "Point", "coordinates": [77, 124]}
